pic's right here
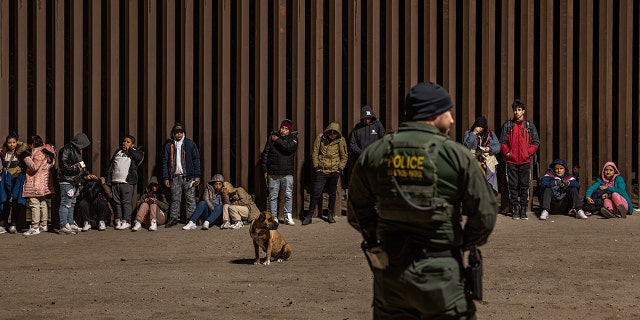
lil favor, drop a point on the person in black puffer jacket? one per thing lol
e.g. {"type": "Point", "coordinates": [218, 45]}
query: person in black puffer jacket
{"type": "Point", "coordinates": [277, 165]}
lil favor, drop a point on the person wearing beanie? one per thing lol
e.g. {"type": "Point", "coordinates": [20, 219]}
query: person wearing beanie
{"type": "Point", "coordinates": [365, 132]}
{"type": "Point", "coordinates": [210, 206]}
{"type": "Point", "coordinates": [407, 194]}
{"type": "Point", "coordinates": [278, 165]}
{"type": "Point", "coordinates": [484, 144]}
{"type": "Point", "coordinates": [180, 172]}
{"type": "Point", "coordinates": [151, 207]}
{"type": "Point", "coordinates": [519, 141]}
{"type": "Point", "coordinates": [329, 158]}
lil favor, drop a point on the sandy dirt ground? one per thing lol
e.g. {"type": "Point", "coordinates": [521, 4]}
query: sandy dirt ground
{"type": "Point", "coordinates": [562, 268]}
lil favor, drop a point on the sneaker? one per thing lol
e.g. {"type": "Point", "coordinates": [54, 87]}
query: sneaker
{"type": "Point", "coordinates": [307, 220]}
{"type": "Point", "coordinates": [523, 213]}
{"type": "Point", "coordinates": [75, 228]}
{"type": "Point", "coordinates": [87, 226]}
{"type": "Point", "coordinates": [225, 225]}
{"type": "Point", "coordinates": [544, 215]}
{"type": "Point", "coordinates": [580, 214]}
{"type": "Point", "coordinates": [102, 226]}
{"type": "Point", "coordinates": [125, 225]}
{"type": "Point", "coordinates": [32, 231]}
{"type": "Point", "coordinates": [289, 222]}
{"type": "Point", "coordinates": [153, 226]}
{"type": "Point", "coordinates": [237, 225]}
{"type": "Point", "coordinates": [118, 225]}
{"type": "Point", "coordinates": [623, 211]}
{"type": "Point", "coordinates": [13, 229]}
{"type": "Point", "coordinates": [136, 226]}
{"type": "Point", "coordinates": [190, 226]}
{"type": "Point", "coordinates": [606, 213]}
{"type": "Point", "coordinates": [3, 230]}
{"type": "Point", "coordinates": [67, 229]}
{"type": "Point", "coordinates": [205, 225]}
{"type": "Point", "coordinates": [43, 228]}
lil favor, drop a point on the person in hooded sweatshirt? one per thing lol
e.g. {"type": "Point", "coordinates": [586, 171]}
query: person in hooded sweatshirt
{"type": "Point", "coordinates": [366, 132]}
{"type": "Point", "coordinates": [329, 158]}
{"type": "Point", "coordinates": [560, 191]}
{"type": "Point", "coordinates": [484, 144]}
{"type": "Point", "coordinates": [72, 172]}
{"type": "Point", "coordinates": [180, 172]}
{"type": "Point", "coordinates": [609, 194]}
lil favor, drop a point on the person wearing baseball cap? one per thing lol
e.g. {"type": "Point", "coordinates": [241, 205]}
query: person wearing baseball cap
{"type": "Point", "coordinates": [180, 172]}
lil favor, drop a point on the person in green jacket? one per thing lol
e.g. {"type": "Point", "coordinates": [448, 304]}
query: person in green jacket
{"type": "Point", "coordinates": [329, 158]}
{"type": "Point", "coordinates": [407, 195]}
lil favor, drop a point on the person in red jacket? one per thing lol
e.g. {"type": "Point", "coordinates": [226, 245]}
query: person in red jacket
{"type": "Point", "coordinates": [519, 141]}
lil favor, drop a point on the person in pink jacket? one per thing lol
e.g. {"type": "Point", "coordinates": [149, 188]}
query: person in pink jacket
{"type": "Point", "coordinates": [39, 183]}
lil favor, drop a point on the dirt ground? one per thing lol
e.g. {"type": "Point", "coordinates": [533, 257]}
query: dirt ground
{"type": "Point", "coordinates": [562, 268]}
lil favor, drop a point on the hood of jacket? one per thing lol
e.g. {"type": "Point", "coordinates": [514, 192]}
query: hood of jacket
{"type": "Point", "coordinates": [367, 112]}
{"type": "Point", "coordinates": [560, 162]}
{"type": "Point", "coordinates": [480, 122]}
{"type": "Point", "coordinates": [80, 141]}
{"type": "Point", "coordinates": [153, 180]}
{"type": "Point", "coordinates": [616, 173]}
{"type": "Point", "coordinates": [335, 127]}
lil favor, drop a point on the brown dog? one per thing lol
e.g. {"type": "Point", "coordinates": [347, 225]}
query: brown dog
{"type": "Point", "coordinates": [264, 234]}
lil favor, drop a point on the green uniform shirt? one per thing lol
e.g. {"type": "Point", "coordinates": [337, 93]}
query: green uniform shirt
{"type": "Point", "coordinates": [460, 186]}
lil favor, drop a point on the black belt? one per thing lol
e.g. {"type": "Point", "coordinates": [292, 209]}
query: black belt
{"type": "Point", "coordinates": [424, 253]}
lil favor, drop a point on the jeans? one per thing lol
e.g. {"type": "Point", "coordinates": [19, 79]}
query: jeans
{"type": "Point", "coordinates": [209, 215]}
{"type": "Point", "coordinates": [330, 180]}
{"type": "Point", "coordinates": [178, 185]}
{"type": "Point", "coordinates": [68, 196]}
{"type": "Point", "coordinates": [275, 182]}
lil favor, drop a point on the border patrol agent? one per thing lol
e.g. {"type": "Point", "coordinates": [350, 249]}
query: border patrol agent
{"type": "Point", "coordinates": [422, 183]}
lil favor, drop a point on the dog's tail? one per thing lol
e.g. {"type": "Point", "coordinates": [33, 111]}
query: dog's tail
{"type": "Point", "coordinates": [285, 252]}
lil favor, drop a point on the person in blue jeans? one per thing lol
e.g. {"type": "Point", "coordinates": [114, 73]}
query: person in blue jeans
{"type": "Point", "coordinates": [210, 207]}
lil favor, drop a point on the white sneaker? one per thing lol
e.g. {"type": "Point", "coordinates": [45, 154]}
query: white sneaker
{"type": "Point", "coordinates": [225, 225]}
{"type": "Point", "coordinates": [289, 222]}
{"type": "Point", "coordinates": [154, 225]}
{"type": "Point", "coordinates": [544, 215]}
{"type": "Point", "coordinates": [205, 225]}
{"type": "Point", "coordinates": [136, 226]}
{"type": "Point", "coordinates": [43, 228]}
{"type": "Point", "coordinates": [75, 228]}
{"type": "Point", "coordinates": [581, 215]}
{"type": "Point", "coordinates": [125, 225]}
{"type": "Point", "coordinates": [3, 230]}
{"type": "Point", "coordinates": [87, 226]}
{"type": "Point", "coordinates": [237, 225]}
{"type": "Point", "coordinates": [67, 229]}
{"type": "Point", "coordinates": [32, 231]}
{"type": "Point", "coordinates": [13, 229]}
{"type": "Point", "coordinates": [190, 226]}
{"type": "Point", "coordinates": [102, 226]}
{"type": "Point", "coordinates": [118, 225]}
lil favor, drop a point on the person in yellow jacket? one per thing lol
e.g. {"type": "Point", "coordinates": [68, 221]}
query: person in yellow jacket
{"type": "Point", "coordinates": [329, 158]}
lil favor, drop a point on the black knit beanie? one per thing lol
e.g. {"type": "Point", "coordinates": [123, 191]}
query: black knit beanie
{"type": "Point", "coordinates": [425, 100]}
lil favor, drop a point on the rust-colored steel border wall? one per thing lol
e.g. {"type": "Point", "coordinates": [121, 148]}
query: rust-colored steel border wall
{"type": "Point", "coordinates": [232, 70]}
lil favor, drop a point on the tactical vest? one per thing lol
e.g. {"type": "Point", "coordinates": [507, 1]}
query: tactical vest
{"type": "Point", "coordinates": [410, 175]}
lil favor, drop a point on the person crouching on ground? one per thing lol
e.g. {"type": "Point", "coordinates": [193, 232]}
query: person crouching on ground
{"type": "Point", "coordinates": [151, 207]}
{"type": "Point", "coordinates": [613, 191]}
{"type": "Point", "coordinates": [210, 207]}
{"type": "Point", "coordinates": [237, 206]}
{"type": "Point", "coordinates": [560, 191]}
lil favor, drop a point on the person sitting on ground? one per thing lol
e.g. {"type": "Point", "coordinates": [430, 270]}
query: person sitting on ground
{"type": "Point", "coordinates": [210, 207]}
{"type": "Point", "coordinates": [151, 207]}
{"type": "Point", "coordinates": [610, 191]}
{"type": "Point", "coordinates": [560, 191]}
{"type": "Point", "coordinates": [93, 204]}
{"type": "Point", "coordinates": [237, 205]}
{"type": "Point", "coordinates": [484, 144]}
